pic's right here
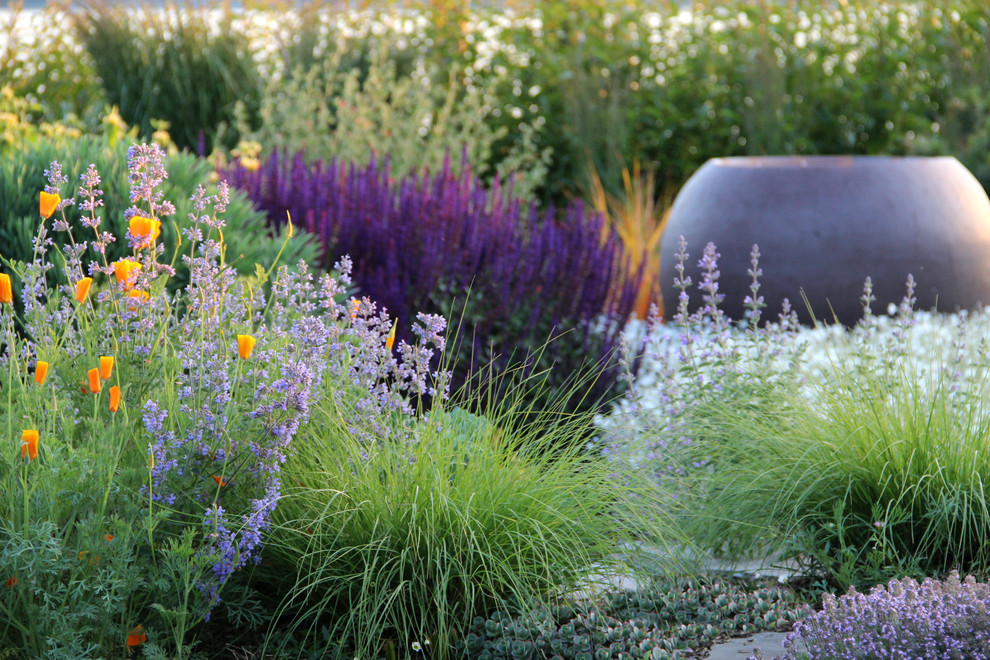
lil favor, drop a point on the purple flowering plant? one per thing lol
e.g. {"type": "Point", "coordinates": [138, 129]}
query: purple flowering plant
{"type": "Point", "coordinates": [902, 620]}
{"type": "Point", "coordinates": [528, 289]}
{"type": "Point", "coordinates": [160, 436]}
{"type": "Point", "coordinates": [857, 452]}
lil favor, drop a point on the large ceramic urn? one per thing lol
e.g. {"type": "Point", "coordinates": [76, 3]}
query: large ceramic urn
{"type": "Point", "coordinates": [824, 224]}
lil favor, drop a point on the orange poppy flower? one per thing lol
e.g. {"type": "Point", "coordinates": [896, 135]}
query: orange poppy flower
{"type": "Point", "coordinates": [390, 340]}
{"type": "Point", "coordinates": [6, 291]}
{"type": "Point", "coordinates": [11, 582]}
{"type": "Point", "coordinates": [108, 538]}
{"type": "Point", "coordinates": [92, 560]}
{"type": "Point", "coordinates": [40, 372]}
{"type": "Point", "coordinates": [355, 308]}
{"type": "Point", "coordinates": [106, 366]}
{"type": "Point", "coordinates": [146, 229]}
{"type": "Point", "coordinates": [94, 381]}
{"type": "Point", "coordinates": [139, 294]}
{"type": "Point", "coordinates": [220, 482]}
{"type": "Point", "coordinates": [136, 636]}
{"type": "Point", "coordinates": [49, 202]}
{"type": "Point", "coordinates": [245, 344]}
{"type": "Point", "coordinates": [29, 444]}
{"type": "Point", "coordinates": [114, 398]}
{"type": "Point", "coordinates": [126, 272]}
{"type": "Point", "coordinates": [82, 288]}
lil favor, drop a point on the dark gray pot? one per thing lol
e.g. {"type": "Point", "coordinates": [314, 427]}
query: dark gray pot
{"type": "Point", "coordinates": [825, 223]}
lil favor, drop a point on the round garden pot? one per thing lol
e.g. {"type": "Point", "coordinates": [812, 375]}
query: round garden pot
{"type": "Point", "coordinates": [824, 224]}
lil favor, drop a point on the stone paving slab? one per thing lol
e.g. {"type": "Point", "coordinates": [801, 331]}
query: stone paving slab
{"type": "Point", "coordinates": [742, 648]}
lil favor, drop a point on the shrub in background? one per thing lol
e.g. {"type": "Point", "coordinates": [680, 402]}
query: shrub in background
{"type": "Point", "coordinates": [179, 64]}
{"type": "Point", "coordinates": [905, 619]}
{"type": "Point", "coordinates": [443, 244]}
{"type": "Point", "coordinates": [360, 98]}
{"type": "Point", "coordinates": [737, 78]}
{"type": "Point", "coordinates": [41, 63]}
{"type": "Point", "coordinates": [249, 239]}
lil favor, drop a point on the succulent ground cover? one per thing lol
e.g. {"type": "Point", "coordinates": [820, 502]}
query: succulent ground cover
{"type": "Point", "coordinates": [674, 618]}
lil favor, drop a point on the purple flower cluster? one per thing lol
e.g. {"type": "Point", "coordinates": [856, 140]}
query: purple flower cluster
{"type": "Point", "coordinates": [215, 453]}
{"type": "Point", "coordinates": [697, 360]}
{"type": "Point", "coordinates": [905, 620]}
{"type": "Point", "coordinates": [146, 164]}
{"type": "Point", "coordinates": [443, 243]}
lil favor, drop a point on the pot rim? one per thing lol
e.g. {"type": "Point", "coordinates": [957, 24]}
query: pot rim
{"type": "Point", "coordinates": [820, 161]}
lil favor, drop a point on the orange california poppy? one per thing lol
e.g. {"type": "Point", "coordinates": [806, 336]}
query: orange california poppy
{"type": "Point", "coordinates": [114, 398]}
{"type": "Point", "coordinates": [390, 340]}
{"type": "Point", "coordinates": [82, 288]}
{"type": "Point", "coordinates": [139, 294]}
{"type": "Point", "coordinates": [355, 308]}
{"type": "Point", "coordinates": [108, 538]}
{"type": "Point", "coordinates": [94, 381]}
{"type": "Point", "coordinates": [40, 372]}
{"type": "Point", "coordinates": [29, 444]}
{"type": "Point", "coordinates": [106, 366]}
{"type": "Point", "coordinates": [6, 291]}
{"type": "Point", "coordinates": [245, 344]}
{"type": "Point", "coordinates": [136, 636]}
{"type": "Point", "coordinates": [126, 271]}
{"type": "Point", "coordinates": [11, 582]}
{"type": "Point", "coordinates": [146, 229]}
{"type": "Point", "coordinates": [49, 202]}
{"type": "Point", "coordinates": [220, 482]}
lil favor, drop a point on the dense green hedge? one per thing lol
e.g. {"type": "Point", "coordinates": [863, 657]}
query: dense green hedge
{"type": "Point", "coordinates": [596, 81]}
{"type": "Point", "coordinates": [741, 78]}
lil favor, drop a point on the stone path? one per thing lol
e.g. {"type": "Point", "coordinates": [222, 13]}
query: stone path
{"type": "Point", "coordinates": [770, 643]}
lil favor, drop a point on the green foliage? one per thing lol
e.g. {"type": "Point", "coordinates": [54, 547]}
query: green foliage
{"type": "Point", "coordinates": [172, 65]}
{"type": "Point", "coordinates": [128, 522]}
{"type": "Point", "coordinates": [404, 540]}
{"type": "Point", "coordinates": [74, 537]}
{"type": "Point", "coordinates": [738, 78]}
{"type": "Point", "coordinates": [674, 615]}
{"type": "Point", "coordinates": [40, 63]}
{"type": "Point", "coordinates": [874, 469]}
{"type": "Point", "coordinates": [373, 101]}
{"type": "Point", "coordinates": [22, 178]}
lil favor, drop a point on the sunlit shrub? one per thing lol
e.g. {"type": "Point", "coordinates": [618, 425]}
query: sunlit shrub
{"type": "Point", "coordinates": [355, 108]}
{"type": "Point", "coordinates": [182, 65]}
{"type": "Point", "coordinates": [41, 63]}
{"type": "Point", "coordinates": [249, 241]}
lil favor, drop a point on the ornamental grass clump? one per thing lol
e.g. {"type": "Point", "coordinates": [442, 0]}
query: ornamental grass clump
{"type": "Point", "coordinates": [903, 620]}
{"type": "Point", "coordinates": [400, 539]}
{"type": "Point", "coordinates": [443, 243]}
{"type": "Point", "coordinates": [143, 438]}
{"type": "Point", "coordinates": [859, 453]}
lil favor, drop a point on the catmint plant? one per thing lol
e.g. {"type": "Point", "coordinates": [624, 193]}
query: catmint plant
{"type": "Point", "coordinates": [153, 427]}
{"type": "Point", "coordinates": [902, 620]}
